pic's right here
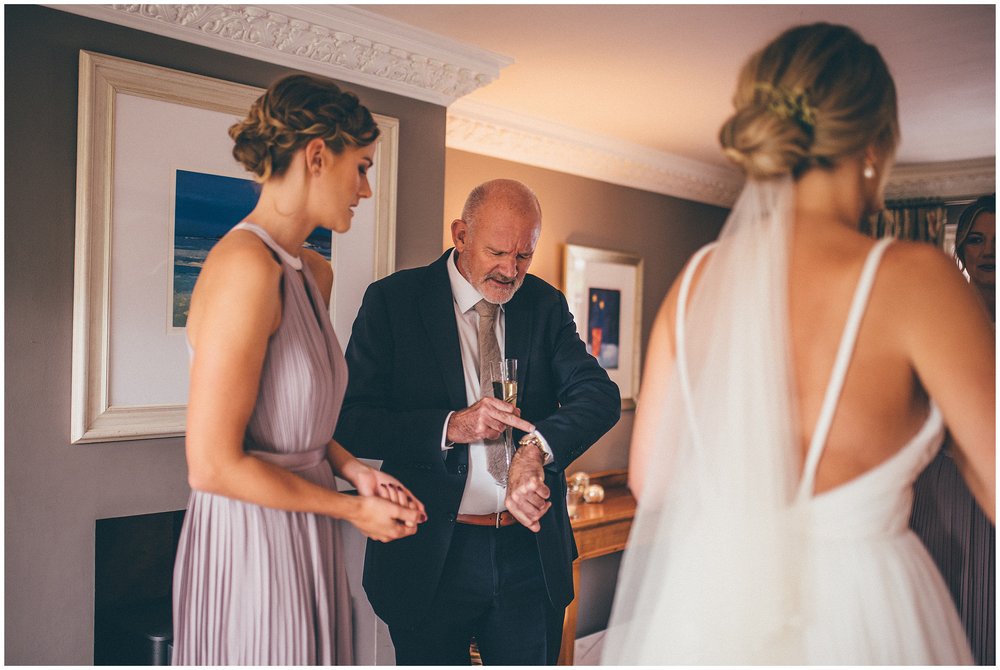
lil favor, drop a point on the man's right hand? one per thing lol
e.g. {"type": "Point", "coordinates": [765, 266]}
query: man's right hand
{"type": "Point", "coordinates": [485, 420]}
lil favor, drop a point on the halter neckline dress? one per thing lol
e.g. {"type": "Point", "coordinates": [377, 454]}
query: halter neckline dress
{"type": "Point", "coordinates": [256, 585]}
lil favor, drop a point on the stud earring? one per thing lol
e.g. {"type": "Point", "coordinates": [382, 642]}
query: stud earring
{"type": "Point", "coordinates": [869, 172]}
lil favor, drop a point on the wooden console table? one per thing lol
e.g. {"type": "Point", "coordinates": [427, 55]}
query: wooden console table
{"type": "Point", "coordinates": [600, 529]}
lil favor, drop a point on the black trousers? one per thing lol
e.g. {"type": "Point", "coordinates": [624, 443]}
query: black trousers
{"type": "Point", "coordinates": [492, 589]}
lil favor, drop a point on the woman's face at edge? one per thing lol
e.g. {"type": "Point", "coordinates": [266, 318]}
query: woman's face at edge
{"type": "Point", "coordinates": [979, 251]}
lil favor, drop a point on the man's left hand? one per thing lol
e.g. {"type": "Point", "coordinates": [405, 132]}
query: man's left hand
{"type": "Point", "coordinates": [527, 494]}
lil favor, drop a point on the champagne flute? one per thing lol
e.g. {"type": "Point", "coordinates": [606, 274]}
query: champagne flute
{"type": "Point", "coordinates": [504, 375]}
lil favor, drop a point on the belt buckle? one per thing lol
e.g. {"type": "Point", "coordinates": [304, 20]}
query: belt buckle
{"type": "Point", "coordinates": [498, 519]}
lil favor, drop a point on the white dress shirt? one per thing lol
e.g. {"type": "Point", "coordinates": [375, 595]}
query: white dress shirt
{"type": "Point", "coordinates": [482, 494]}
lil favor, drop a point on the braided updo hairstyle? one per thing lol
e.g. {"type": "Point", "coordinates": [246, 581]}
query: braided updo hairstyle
{"type": "Point", "coordinates": [293, 111]}
{"type": "Point", "coordinates": [816, 94]}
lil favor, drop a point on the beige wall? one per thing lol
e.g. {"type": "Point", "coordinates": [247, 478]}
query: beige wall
{"type": "Point", "coordinates": [661, 229]}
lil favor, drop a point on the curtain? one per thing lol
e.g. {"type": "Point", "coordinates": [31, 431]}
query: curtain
{"type": "Point", "coordinates": [921, 221]}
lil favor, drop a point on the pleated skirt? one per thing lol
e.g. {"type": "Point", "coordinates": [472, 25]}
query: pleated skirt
{"type": "Point", "coordinates": [260, 586]}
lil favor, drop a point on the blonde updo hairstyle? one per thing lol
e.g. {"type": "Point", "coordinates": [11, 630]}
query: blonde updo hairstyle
{"type": "Point", "coordinates": [293, 111]}
{"type": "Point", "coordinates": [815, 95]}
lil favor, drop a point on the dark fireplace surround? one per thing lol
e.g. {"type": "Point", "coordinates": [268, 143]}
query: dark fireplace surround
{"type": "Point", "coordinates": [134, 566]}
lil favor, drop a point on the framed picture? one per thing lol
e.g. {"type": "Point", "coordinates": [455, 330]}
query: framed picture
{"type": "Point", "coordinates": [156, 186]}
{"type": "Point", "coordinates": [604, 291]}
{"type": "Point", "coordinates": [204, 209]}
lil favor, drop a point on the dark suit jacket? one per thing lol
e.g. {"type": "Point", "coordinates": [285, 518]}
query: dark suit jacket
{"type": "Point", "coordinates": [406, 375]}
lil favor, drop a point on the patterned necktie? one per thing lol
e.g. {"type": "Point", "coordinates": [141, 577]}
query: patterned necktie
{"type": "Point", "coordinates": [489, 354]}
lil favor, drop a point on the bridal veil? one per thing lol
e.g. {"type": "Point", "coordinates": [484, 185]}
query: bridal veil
{"type": "Point", "coordinates": [713, 568]}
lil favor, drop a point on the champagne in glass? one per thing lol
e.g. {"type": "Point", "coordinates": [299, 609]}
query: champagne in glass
{"type": "Point", "coordinates": [506, 391]}
{"type": "Point", "coordinates": [504, 375]}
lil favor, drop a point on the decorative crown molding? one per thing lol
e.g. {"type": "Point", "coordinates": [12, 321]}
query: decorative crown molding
{"type": "Point", "coordinates": [337, 41]}
{"type": "Point", "coordinates": [493, 131]}
{"type": "Point", "coordinates": [953, 179]}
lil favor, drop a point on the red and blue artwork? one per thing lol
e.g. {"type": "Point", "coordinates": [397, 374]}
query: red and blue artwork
{"type": "Point", "coordinates": [603, 320]}
{"type": "Point", "coordinates": [206, 207]}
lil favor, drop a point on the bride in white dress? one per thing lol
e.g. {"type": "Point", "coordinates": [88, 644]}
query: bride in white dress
{"type": "Point", "coordinates": [799, 378]}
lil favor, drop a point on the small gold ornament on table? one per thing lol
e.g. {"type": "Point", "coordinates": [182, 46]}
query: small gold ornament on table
{"type": "Point", "coordinates": [594, 493]}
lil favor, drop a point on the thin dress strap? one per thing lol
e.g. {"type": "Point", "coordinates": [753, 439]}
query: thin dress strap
{"type": "Point", "coordinates": [680, 341]}
{"type": "Point", "coordinates": [840, 365]}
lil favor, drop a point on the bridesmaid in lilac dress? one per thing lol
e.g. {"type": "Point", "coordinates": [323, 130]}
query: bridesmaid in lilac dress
{"type": "Point", "coordinates": [946, 516]}
{"type": "Point", "coordinates": [259, 576]}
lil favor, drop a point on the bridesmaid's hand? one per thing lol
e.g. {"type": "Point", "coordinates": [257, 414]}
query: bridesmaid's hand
{"type": "Point", "coordinates": [382, 520]}
{"type": "Point", "coordinates": [371, 482]}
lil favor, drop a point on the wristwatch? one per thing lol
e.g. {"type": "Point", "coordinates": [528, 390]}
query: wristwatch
{"type": "Point", "coordinates": [532, 440]}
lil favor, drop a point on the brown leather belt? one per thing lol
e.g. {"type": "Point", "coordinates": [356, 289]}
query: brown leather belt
{"type": "Point", "coordinates": [497, 519]}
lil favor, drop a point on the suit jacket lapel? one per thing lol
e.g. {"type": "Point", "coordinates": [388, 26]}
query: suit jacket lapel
{"type": "Point", "coordinates": [438, 314]}
{"type": "Point", "coordinates": [518, 326]}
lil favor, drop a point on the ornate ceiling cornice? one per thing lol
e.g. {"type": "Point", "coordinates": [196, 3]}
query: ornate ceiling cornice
{"type": "Point", "coordinates": [338, 41]}
{"type": "Point", "coordinates": [492, 131]}
{"type": "Point", "coordinates": [496, 132]}
{"type": "Point", "coordinates": [953, 179]}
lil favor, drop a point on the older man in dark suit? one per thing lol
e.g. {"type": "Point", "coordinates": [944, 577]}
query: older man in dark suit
{"type": "Point", "coordinates": [494, 559]}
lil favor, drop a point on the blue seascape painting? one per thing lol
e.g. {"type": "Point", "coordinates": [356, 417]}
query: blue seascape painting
{"type": "Point", "coordinates": [603, 326]}
{"type": "Point", "coordinates": [206, 207]}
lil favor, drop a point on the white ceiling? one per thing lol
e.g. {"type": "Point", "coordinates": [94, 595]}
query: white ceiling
{"type": "Point", "coordinates": [661, 76]}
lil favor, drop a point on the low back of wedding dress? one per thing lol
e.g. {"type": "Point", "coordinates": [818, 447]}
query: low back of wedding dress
{"type": "Point", "coordinates": [732, 559]}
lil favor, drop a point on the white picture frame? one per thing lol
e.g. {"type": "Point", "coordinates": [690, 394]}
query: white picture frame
{"type": "Point", "coordinates": [588, 274]}
{"type": "Point", "coordinates": [136, 122]}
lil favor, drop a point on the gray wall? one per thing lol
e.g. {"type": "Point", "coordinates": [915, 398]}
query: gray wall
{"type": "Point", "coordinates": [663, 230]}
{"type": "Point", "coordinates": [55, 491]}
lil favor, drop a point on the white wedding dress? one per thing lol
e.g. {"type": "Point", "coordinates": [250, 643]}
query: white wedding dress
{"type": "Point", "coordinates": [732, 559]}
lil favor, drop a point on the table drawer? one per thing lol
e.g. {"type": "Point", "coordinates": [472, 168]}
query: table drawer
{"type": "Point", "coordinates": [603, 539]}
